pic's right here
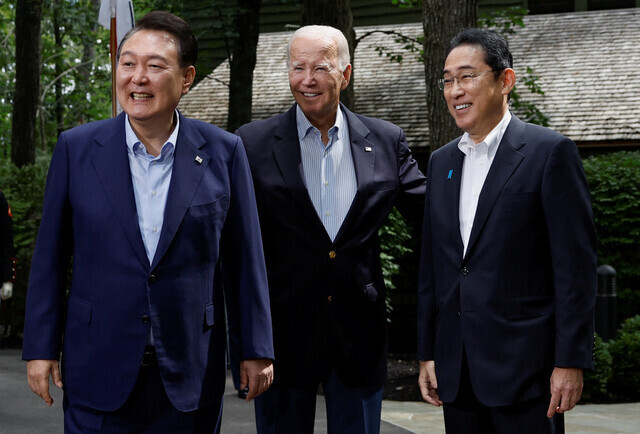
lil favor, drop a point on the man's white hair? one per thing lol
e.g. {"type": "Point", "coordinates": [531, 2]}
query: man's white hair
{"type": "Point", "coordinates": [342, 46]}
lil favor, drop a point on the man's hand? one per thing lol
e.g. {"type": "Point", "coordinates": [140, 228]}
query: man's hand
{"type": "Point", "coordinates": [257, 374]}
{"type": "Point", "coordinates": [428, 383]}
{"type": "Point", "coordinates": [38, 372]}
{"type": "Point", "coordinates": [566, 389]}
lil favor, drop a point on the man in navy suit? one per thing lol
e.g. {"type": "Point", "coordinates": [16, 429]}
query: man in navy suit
{"type": "Point", "coordinates": [508, 267]}
{"type": "Point", "coordinates": [152, 208]}
{"type": "Point", "coordinates": [326, 180]}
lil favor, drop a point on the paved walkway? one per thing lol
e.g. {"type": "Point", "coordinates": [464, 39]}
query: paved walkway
{"type": "Point", "coordinates": [21, 412]}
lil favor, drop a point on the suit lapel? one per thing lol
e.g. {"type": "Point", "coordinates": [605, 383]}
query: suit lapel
{"type": "Point", "coordinates": [111, 163]}
{"type": "Point", "coordinates": [363, 153]}
{"type": "Point", "coordinates": [188, 169]}
{"type": "Point", "coordinates": [453, 180]}
{"type": "Point", "coordinates": [286, 151]}
{"type": "Point", "coordinates": [504, 164]}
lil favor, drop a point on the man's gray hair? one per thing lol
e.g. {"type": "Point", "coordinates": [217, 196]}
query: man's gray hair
{"type": "Point", "coordinates": [342, 46]}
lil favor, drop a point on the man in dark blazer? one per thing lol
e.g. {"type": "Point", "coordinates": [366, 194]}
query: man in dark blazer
{"type": "Point", "coordinates": [326, 180]}
{"type": "Point", "coordinates": [152, 208]}
{"type": "Point", "coordinates": [508, 266]}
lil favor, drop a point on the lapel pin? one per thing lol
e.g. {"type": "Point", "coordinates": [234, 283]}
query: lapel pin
{"type": "Point", "coordinates": [450, 173]}
{"type": "Point", "coordinates": [368, 149]}
{"type": "Point", "coordinates": [198, 159]}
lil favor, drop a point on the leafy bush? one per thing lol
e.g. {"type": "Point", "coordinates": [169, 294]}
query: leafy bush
{"type": "Point", "coordinates": [24, 190]}
{"type": "Point", "coordinates": [625, 354]}
{"type": "Point", "coordinates": [393, 236]}
{"type": "Point", "coordinates": [596, 381]}
{"type": "Point", "coordinates": [615, 195]}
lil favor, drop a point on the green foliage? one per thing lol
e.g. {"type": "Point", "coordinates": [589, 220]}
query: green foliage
{"type": "Point", "coordinates": [615, 197]}
{"type": "Point", "coordinates": [407, 3]}
{"type": "Point", "coordinates": [24, 190]}
{"type": "Point", "coordinates": [525, 109]}
{"type": "Point", "coordinates": [77, 63]}
{"type": "Point", "coordinates": [7, 74]}
{"type": "Point", "coordinates": [596, 380]}
{"type": "Point", "coordinates": [616, 376]}
{"type": "Point", "coordinates": [393, 236]}
{"type": "Point", "coordinates": [625, 353]}
{"type": "Point", "coordinates": [504, 20]}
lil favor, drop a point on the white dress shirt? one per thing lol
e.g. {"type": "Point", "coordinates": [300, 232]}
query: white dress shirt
{"type": "Point", "coordinates": [476, 165]}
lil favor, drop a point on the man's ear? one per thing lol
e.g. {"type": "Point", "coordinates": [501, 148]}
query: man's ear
{"type": "Point", "coordinates": [189, 75]}
{"type": "Point", "coordinates": [509, 81]}
{"type": "Point", "coordinates": [346, 77]}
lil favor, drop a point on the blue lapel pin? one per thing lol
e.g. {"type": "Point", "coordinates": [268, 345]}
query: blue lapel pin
{"type": "Point", "coordinates": [450, 173]}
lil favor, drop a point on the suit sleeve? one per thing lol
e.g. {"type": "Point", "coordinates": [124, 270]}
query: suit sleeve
{"type": "Point", "coordinates": [245, 270]}
{"type": "Point", "coordinates": [412, 183]}
{"type": "Point", "coordinates": [44, 312]}
{"type": "Point", "coordinates": [572, 240]}
{"type": "Point", "coordinates": [426, 295]}
{"type": "Point", "coordinates": [6, 236]}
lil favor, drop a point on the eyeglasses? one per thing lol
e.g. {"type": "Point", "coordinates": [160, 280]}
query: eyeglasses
{"type": "Point", "coordinates": [465, 80]}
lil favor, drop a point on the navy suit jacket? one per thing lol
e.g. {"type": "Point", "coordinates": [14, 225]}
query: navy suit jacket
{"type": "Point", "coordinates": [521, 300]}
{"type": "Point", "coordinates": [328, 298]}
{"type": "Point", "coordinates": [116, 295]}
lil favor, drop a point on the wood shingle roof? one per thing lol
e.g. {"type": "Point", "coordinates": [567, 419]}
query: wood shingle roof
{"type": "Point", "coordinates": [587, 65]}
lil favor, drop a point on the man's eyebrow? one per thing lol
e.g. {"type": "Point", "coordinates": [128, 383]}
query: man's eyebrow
{"type": "Point", "coordinates": [150, 57]}
{"type": "Point", "coordinates": [446, 71]}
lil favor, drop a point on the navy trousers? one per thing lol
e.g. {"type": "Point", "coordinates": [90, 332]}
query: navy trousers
{"type": "Point", "coordinates": [147, 410]}
{"type": "Point", "coordinates": [288, 410]}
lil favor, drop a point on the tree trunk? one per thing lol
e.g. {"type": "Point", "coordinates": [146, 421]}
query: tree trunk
{"type": "Point", "coordinates": [242, 63]}
{"type": "Point", "coordinates": [442, 20]}
{"type": "Point", "coordinates": [27, 87]}
{"type": "Point", "coordinates": [58, 70]}
{"type": "Point", "coordinates": [334, 13]}
{"type": "Point", "coordinates": [88, 54]}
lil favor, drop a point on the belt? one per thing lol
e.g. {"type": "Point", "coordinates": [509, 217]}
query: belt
{"type": "Point", "coordinates": [149, 357]}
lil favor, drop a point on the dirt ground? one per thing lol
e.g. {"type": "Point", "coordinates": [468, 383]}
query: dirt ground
{"type": "Point", "coordinates": [402, 381]}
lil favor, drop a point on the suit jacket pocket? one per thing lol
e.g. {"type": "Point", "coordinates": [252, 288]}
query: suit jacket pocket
{"type": "Point", "coordinates": [79, 309]}
{"type": "Point", "coordinates": [389, 184]}
{"type": "Point", "coordinates": [206, 209]}
{"type": "Point", "coordinates": [528, 306]}
{"type": "Point", "coordinates": [208, 314]}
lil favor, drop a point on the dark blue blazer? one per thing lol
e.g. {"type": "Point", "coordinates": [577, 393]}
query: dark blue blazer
{"type": "Point", "coordinates": [116, 295]}
{"type": "Point", "coordinates": [521, 300]}
{"type": "Point", "coordinates": [328, 298]}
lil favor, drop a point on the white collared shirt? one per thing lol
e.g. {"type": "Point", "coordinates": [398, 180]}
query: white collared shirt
{"type": "Point", "coordinates": [477, 162]}
{"type": "Point", "coordinates": [329, 173]}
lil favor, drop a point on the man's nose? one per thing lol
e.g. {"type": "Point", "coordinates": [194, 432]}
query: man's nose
{"type": "Point", "coordinates": [456, 87]}
{"type": "Point", "coordinates": [139, 75]}
{"type": "Point", "coordinates": [308, 76]}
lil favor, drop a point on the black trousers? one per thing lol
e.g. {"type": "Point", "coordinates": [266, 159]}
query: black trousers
{"type": "Point", "coordinates": [466, 415]}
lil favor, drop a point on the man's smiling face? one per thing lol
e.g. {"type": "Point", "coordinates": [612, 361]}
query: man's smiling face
{"type": "Point", "coordinates": [477, 106]}
{"type": "Point", "coordinates": [315, 78]}
{"type": "Point", "coordinates": [149, 78]}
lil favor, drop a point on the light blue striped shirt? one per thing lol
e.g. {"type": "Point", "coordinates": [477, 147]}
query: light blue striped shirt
{"type": "Point", "coordinates": [328, 170]}
{"type": "Point", "coordinates": [151, 177]}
